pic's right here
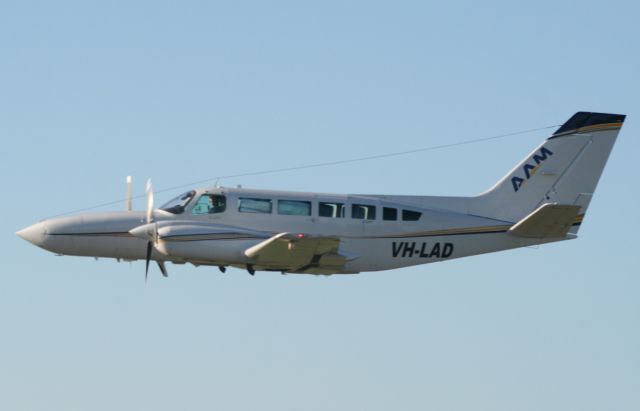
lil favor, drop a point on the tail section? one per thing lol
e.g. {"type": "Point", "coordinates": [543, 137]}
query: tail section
{"type": "Point", "coordinates": [563, 170]}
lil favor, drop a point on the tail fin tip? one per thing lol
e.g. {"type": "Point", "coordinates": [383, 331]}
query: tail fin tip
{"type": "Point", "coordinates": [584, 121]}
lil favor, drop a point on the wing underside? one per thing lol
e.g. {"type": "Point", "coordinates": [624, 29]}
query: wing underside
{"type": "Point", "coordinates": [299, 254]}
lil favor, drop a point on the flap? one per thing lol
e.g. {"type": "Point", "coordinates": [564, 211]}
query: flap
{"type": "Point", "coordinates": [547, 221]}
{"type": "Point", "coordinates": [297, 251]}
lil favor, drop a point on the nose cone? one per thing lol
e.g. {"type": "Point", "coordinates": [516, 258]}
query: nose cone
{"type": "Point", "coordinates": [34, 234]}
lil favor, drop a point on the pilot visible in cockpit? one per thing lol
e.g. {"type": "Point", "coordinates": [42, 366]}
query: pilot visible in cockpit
{"type": "Point", "coordinates": [216, 205]}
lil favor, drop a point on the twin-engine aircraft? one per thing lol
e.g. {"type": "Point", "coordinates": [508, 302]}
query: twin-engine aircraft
{"type": "Point", "coordinates": [542, 200]}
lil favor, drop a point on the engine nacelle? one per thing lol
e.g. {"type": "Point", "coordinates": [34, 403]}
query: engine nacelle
{"type": "Point", "coordinates": [206, 242]}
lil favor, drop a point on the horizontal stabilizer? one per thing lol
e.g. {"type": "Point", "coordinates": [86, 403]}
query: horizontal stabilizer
{"type": "Point", "coordinates": [547, 221]}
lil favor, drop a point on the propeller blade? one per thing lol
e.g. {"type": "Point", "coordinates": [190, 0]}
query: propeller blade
{"type": "Point", "coordinates": [150, 231]}
{"type": "Point", "coordinates": [163, 268]}
{"type": "Point", "coordinates": [149, 250]}
{"type": "Point", "coordinates": [128, 203]}
{"type": "Point", "coordinates": [149, 201]}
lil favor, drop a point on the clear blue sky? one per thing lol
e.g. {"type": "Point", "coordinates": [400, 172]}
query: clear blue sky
{"type": "Point", "coordinates": [91, 92]}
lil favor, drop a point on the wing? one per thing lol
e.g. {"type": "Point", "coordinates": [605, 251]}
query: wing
{"type": "Point", "coordinates": [299, 253]}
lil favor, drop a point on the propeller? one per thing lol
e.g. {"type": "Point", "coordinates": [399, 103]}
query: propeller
{"type": "Point", "coordinates": [154, 234]}
{"type": "Point", "coordinates": [149, 191]}
{"type": "Point", "coordinates": [149, 232]}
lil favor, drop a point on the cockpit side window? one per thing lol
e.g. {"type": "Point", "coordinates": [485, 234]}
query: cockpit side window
{"type": "Point", "coordinates": [177, 205]}
{"type": "Point", "coordinates": [210, 204]}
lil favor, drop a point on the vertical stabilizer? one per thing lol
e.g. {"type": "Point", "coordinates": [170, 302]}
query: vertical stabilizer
{"type": "Point", "coordinates": [564, 169]}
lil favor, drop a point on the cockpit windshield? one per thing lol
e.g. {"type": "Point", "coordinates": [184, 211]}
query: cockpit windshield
{"type": "Point", "coordinates": [177, 205]}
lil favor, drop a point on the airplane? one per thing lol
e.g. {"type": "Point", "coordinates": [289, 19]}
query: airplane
{"type": "Point", "coordinates": [543, 199]}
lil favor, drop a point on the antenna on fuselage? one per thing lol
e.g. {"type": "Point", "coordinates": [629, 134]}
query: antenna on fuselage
{"type": "Point", "coordinates": [129, 195]}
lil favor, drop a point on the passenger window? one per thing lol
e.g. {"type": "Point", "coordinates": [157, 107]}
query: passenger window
{"type": "Point", "coordinates": [254, 205]}
{"type": "Point", "coordinates": [389, 214]}
{"type": "Point", "coordinates": [363, 212]}
{"type": "Point", "coordinates": [293, 207]}
{"type": "Point", "coordinates": [333, 210]}
{"type": "Point", "coordinates": [210, 204]}
{"type": "Point", "coordinates": [408, 215]}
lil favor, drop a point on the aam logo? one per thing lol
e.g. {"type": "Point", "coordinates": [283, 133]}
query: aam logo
{"type": "Point", "coordinates": [530, 169]}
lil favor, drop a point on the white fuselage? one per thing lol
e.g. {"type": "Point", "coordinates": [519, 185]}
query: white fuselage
{"type": "Point", "coordinates": [382, 241]}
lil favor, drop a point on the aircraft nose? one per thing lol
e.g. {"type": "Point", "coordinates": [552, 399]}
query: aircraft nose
{"type": "Point", "coordinates": [34, 234]}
